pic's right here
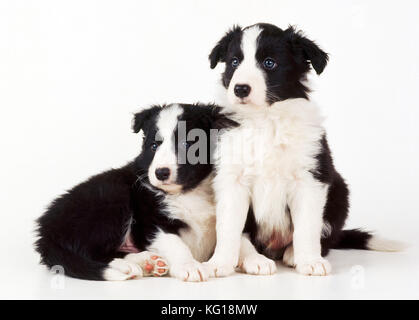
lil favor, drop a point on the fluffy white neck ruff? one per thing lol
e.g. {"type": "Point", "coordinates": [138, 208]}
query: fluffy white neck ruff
{"type": "Point", "coordinates": [292, 110]}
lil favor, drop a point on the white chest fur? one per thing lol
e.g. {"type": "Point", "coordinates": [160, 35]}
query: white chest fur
{"type": "Point", "coordinates": [196, 208]}
{"type": "Point", "coordinates": [269, 153]}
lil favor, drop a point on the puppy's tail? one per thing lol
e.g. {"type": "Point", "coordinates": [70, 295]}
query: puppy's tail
{"type": "Point", "coordinates": [363, 240]}
{"type": "Point", "coordinates": [73, 264]}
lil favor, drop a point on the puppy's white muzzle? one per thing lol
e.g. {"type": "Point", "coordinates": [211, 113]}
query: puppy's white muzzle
{"type": "Point", "coordinates": [247, 86]}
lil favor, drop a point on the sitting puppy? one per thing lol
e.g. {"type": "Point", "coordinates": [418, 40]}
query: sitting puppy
{"type": "Point", "coordinates": [282, 167]}
{"type": "Point", "coordinates": [160, 202]}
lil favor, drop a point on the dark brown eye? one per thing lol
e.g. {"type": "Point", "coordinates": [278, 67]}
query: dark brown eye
{"type": "Point", "coordinates": [269, 64]}
{"type": "Point", "coordinates": [235, 62]}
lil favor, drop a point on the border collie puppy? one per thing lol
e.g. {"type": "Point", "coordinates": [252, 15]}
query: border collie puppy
{"type": "Point", "coordinates": [162, 202]}
{"type": "Point", "coordinates": [284, 170]}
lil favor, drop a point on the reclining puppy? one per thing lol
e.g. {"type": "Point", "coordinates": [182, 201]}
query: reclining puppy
{"type": "Point", "coordinates": [286, 174]}
{"type": "Point", "coordinates": [103, 228]}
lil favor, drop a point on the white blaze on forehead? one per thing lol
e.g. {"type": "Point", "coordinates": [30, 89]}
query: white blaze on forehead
{"type": "Point", "coordinates": [165, 156]}
{"type": "Point", "coordinates": [167, 121]}
{"type": "Point", "coordinates": [248, 72]}
{"type": "Point", "coordinates": [249, 43]}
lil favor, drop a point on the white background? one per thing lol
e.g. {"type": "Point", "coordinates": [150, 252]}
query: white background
{"type": "Point", "coordinates": [73, 72]}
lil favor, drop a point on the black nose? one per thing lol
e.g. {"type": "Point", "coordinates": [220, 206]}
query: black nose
{"type": "Point", "coordinates": [241, 90]}
{"type": "Point", "coordinates": [162, 174]}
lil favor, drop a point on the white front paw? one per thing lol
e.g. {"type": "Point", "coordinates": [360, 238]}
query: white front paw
{"type": "Point", "coordinates": [314, 267]}
{"type": "Point", "coordinates": [192, 271]}
{"type": "Point", "coordinates": [218, 269]}
{"type": "Point", "coordinates": [258, 264]}
{"type": "Point", "coordinates": [120, 269]}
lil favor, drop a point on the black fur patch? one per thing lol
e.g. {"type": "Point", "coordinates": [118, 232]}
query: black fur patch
{"type": "Point", "coordinates": [225, 50]}
{"type": "Point", "coordinates": [207, 119]}
{"type": "Point", "coordinates": [337, 203]}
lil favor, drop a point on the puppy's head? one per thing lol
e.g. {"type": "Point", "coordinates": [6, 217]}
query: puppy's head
{"type": "Point", "coordinates": [178, 143]}
{"type": "Point", "coordinates": [265, 64]}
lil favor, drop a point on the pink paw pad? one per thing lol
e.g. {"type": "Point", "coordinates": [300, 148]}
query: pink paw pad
{"type": "Point", "coordinates": [156, 266]}
{"type": "Point", "coordinates": [149, 267]}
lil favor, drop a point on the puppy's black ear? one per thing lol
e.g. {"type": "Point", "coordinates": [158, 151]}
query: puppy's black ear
{"type": "Point", "coordinates": [309, 49]}
{"type": "Point", "coordinates": [140, 118]}
{"type": "Point", "coordinates": [220, 50]}
{"type": "Point", "coordinates": [222, 120]}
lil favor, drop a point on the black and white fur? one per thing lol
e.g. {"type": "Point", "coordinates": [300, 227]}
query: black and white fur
{"type": "Point", "coordinates": [285, 172]}
{"type": "Point", "coordinates": [91, 230]}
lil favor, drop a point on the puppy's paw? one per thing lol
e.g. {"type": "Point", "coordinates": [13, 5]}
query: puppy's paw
{"type": "Point", "coordinates": [314, 267]}
{"type": "Point", "coordinates": [192, 272]}
{"type": "Point", "coordinates": [218, 270]}
{"type": "Point", "coordinates": [120, 269]}
{"type": "Point", "coordinates": [288, 258]}
{"type": "Point", "coordinates": [150, 263]}
{"type": "Point", "coordinates": [258, 264]}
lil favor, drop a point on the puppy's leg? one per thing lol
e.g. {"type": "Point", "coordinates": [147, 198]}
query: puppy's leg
{"type": "Point", "coordinates": [179, 257]}
{"type": "Point", "coordinates": [232, 207]}
{"type": "Point", "coordinates": [307, 203]}
{"type": "Point", "coordinates": [121, 269]}
{"type": "Point", "coordinates": [150, 263]}
{"type": "Point", "coordinates": [252, 262]}
{"type": "Point", "coordinates": [288, 258]}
